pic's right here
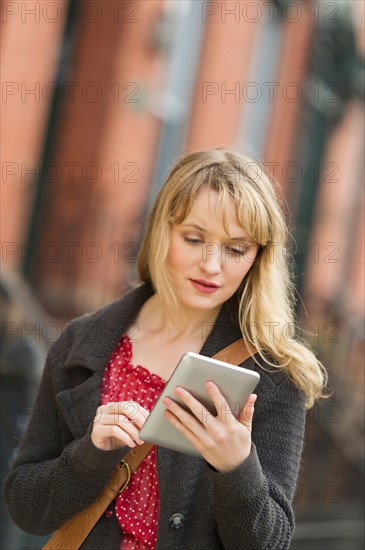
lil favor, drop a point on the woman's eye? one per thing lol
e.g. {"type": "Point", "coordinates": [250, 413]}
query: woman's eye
{"type": "Point", "coordinates": [237, 251]}
{"type": "Point", "coordinates": [192, 240]}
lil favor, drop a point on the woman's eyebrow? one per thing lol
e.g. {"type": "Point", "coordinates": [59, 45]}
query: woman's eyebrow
{"type": "Point", "coordinates": [242, 238]}
{"type": "Point", "coordinates": [195, 226]}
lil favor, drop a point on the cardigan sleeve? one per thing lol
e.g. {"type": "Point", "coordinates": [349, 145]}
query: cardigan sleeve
{"type": "Point", "coordinates": [252, 503]}
{"type": "Point", "coordinates": [49, 482]}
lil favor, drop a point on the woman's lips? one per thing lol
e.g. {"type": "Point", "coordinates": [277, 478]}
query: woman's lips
{"type": "Point", "coordinates": [204, 286]}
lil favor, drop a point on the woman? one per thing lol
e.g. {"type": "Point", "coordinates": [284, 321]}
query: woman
{"type": "Point", "coordinates": [213, 269]}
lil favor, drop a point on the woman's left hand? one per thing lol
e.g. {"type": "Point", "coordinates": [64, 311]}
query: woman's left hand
{"type": "Point", "coordinates": [223, 440]}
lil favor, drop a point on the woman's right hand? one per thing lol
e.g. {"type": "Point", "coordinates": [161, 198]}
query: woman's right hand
{"type": "Point", "coordinates": [117, 424]}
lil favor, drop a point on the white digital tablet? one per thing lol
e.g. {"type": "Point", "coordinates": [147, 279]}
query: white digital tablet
{"type": "Point", "coordinates": [192, 373]}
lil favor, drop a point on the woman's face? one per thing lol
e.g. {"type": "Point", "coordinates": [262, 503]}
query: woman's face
{"type": "Point", "coordinates": [206, 265]}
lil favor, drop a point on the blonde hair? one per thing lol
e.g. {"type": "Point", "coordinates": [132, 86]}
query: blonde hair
{"type": "Point", "coordinates": [265, 301]}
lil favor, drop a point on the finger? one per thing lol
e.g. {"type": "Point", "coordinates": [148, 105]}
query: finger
{"type": "Point", "coordinates": [224, 412]}
{"type": "Point", "coordinates": [132, 408]}
{"type": "Point", "coordinates": [107, 414]}
{"type": "Point", "coordinates": [179, 425]}
{"type": "Point", "coordinates": [186, 418]}
{"type": "Point", "coordinates": [123, 422]}
{"type": "Point", "coordinates": [111, 412]}
{"type": "Point", "coordinates": [247, 412]}
{"type": "Point", "coordinates": [123, 435]}
{"type": "Point", "coordinates": [104, 434]}
{"type": "Point", "coordinates": [130, 428]}
{"type": "Point", "coordinates": [135, 412]}
{"type": "Point", "coordinates": [197, 408]}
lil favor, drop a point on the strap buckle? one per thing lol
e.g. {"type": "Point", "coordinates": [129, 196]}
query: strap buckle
{"type": "Point", "coordinates": [125, 465]}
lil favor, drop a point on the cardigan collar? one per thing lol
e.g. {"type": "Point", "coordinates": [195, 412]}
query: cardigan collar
{"type": "Point", "coordinates": [94, 336]}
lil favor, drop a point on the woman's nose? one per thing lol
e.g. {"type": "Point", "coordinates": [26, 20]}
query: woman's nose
{"type": "Point", "coordinates": [211, 258]}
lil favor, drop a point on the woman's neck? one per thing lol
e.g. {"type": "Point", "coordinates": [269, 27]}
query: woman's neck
{"type": "Point", "coordinates": [183, 323]}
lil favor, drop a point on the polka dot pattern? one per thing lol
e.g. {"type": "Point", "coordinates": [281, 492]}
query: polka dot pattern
{"type": "Point", "coordinates": [137, 507]}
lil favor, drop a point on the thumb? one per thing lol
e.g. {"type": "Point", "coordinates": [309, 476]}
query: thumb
{"type": "Point", "coordinates": [246, 414]}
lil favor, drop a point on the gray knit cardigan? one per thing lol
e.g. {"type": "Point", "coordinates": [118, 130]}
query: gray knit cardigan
{"type": "Point", "coordinates": [58, 471]}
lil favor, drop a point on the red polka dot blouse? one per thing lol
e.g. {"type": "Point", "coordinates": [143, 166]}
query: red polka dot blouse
{"type": "Point", "coordinates": [137, 507]}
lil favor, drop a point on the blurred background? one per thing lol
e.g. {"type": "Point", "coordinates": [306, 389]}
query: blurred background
{"type": "Point", "coordinates": [98, 100]}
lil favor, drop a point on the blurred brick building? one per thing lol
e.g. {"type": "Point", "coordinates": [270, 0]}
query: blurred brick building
{"type": "Point", "coordinates": [100, 97]}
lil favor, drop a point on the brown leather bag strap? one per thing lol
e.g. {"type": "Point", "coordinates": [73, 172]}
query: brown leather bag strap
{"type": "Point", "coordinates": [74, 531]}
{"type": "Point", "coordinates": [236, 353]}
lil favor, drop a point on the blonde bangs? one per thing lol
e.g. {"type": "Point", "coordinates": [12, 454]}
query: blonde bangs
{"type": "Point", "coordinates": [250, 209]}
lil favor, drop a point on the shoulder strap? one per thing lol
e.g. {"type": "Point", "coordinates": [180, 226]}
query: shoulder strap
{"type": "Point", "coordinates": [75, 530]}
{"type": "Point", "coordinates": [236, 353]}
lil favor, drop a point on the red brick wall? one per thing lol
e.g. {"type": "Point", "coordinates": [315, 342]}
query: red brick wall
{"type": "Point", "coordinates": [288, 95]}
{"type": "Point", "coordinates": [224, 64]}
{"type": "Point", "coordinates": [328, 270]}
{"type": "Point", "coordinates": [107, 129]}
{"type": "Point", "coordinates": [30, 40]}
